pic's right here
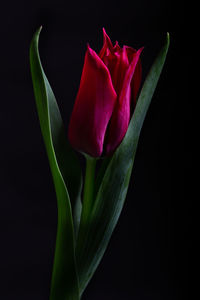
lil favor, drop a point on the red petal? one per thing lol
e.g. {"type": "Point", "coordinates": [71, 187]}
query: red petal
{"type": "Point", "coordinates": [116, 47]}
{"type": "Point", "coordinates": [121, 114]}
{"type": "Point", "coordinates": [118, 70]}
{"type": "Point", "coordinates": [130, 53]}
{"type": "Point", "coordinates": [93, 106]}
{"type": "Point", "coordinates": [107, 45]}
{"type": "Point", "coordinates": [116, 60]}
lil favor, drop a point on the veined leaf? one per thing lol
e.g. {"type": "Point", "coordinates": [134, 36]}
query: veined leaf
{"type": "Point", "coordinates": [66, 174]}
{"type": "Point", "coordinates": [112, 191]}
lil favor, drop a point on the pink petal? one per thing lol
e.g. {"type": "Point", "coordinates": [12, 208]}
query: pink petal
{"type": "Point", "coordinates": [93, 106]}
{"type": "Point", "coordinates": [119, 69]}
{"type": "Point", "coordinates": [121, 114]}
{"type": "Point", "coordinates": [107, 45]}
{"type": "Point", "coordinates": [116, 48]}
{"type": "Point", "coordinates": [116, 60]}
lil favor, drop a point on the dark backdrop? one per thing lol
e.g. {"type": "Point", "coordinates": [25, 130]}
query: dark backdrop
{"type": "Point", "coordinates": [148, 256]}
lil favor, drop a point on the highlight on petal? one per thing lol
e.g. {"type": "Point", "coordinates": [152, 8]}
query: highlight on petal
{"type": "Point", "coordinates": [93, 106]}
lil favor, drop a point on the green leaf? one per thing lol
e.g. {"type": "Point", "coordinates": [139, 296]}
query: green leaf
{"type": "Point", "coordinates": [66, 173]}
{"type": "Point", "coordinates": [112, 191]}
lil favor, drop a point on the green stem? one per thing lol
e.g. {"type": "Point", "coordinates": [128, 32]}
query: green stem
{"type": "Point", "coordinates": [88, 187]}
{"type": "Point", "coordinates": [87, 205]}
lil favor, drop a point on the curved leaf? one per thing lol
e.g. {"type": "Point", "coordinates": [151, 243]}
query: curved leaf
{"type": "Point", "coordinates": [66, 173]}
{"type": "Point", "coordinates": [113, 188]}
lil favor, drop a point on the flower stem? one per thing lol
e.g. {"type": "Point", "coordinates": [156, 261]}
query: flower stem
{"type": "Point", "coordinates": [85, 222]}
{"type": "Point", "coordinates": [88, 187]}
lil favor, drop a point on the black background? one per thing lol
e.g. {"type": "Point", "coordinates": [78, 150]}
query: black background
{"type": "Point", "coordinates": [149, 254]}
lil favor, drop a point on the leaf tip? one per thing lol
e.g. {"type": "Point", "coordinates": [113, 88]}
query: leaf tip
{"type": "Point", "coordinates": [38, 31]}
{"type": "Point", "coordinates": [168, 38]}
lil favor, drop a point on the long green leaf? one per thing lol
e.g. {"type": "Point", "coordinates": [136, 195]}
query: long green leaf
{"type": "Point", "coordinates": [113, 189]}
{"type": "Point", "coordinates": [66, 173]}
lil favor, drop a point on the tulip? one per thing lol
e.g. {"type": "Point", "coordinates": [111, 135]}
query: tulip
{"type": "Point", "coordinates": [106, 98]}
{"type": "Point", "coordinates": [105, 101]}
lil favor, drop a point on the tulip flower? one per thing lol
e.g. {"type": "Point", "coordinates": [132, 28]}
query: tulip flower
{"type": "Point", "coordinates": [89, 211]}
{"type": "Point", "coordinates": [108, 91]}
